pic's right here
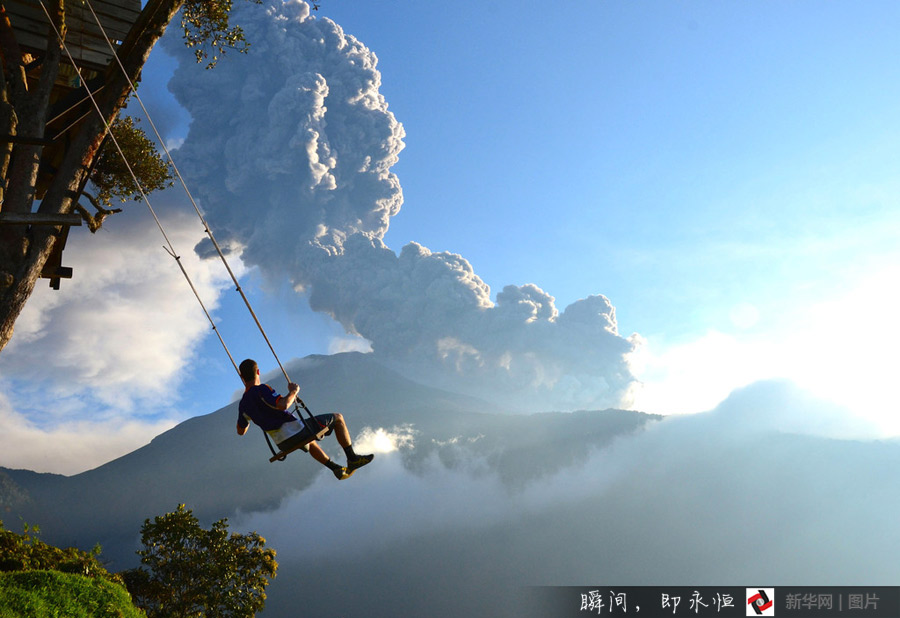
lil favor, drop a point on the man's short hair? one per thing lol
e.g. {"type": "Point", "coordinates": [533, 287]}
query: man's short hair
{"type": "Point", "coordinates": [248, 369]}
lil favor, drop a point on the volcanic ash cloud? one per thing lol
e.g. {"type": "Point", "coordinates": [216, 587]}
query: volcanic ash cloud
{"type": "Point", "coordinates": [290, 149]}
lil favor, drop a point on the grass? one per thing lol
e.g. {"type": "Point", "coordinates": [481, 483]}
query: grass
{"type": "Point", "coordinates": [51, 594]}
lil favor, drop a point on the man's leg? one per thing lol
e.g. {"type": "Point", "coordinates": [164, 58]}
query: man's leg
{"type": "Point", "coordinates": [322, 457]}
{"type": "Point", "coordinates": [342, 433]}
{"type": "Point", "coordinates": [319, 455]}
{"type": "Point", "coordinates": [340, 430]}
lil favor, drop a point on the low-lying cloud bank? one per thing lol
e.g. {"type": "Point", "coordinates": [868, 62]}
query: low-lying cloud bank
{"type": "Point", "coordinates": [388, 502]}
{"type": "Point", "coordinates": [300, 178]}
{"type": "Point", "coordinates": [68, 446]}
{"type": "Point", "coordinates": [747, 435]}
{"type": "Point", "coordinates": [677, 504]}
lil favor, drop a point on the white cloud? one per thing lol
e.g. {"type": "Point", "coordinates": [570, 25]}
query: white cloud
{"type": "Point", "coordinates": [383, 503]}
{"type": "Point", "coordinates": [92, 370]}
{"type": "Point", "coordinates": [349, 343]}
{"type": "Point", "coordinates": [309, 140]}
{"type": "Point", "coordinates": [846, 349]}
{"type": "Point", "coordinates": [126, 325]}
{"type": "Point", "coordinates": [386, 502]}
{"type": "Point", "coordinates": [174, 142]}
{"type": "Point", "coordinates": [69, 446]}
{"type": "Point", "coordinates": [381, 440]}
{"type": "Point", "coordinates": [429, 315]}
{"type": "Point", "coordinates": [697, 374]}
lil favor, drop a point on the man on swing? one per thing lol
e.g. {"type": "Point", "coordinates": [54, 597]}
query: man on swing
{"type": "Point", "coordinates": [262, 405]}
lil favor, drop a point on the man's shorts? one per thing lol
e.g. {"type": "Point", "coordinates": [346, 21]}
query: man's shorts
{"type": "Point", "coordinates": [304, 436]}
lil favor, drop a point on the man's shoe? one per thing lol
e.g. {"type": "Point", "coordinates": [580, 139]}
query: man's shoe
{"type": "Point", "coordinates": [358, 462]}
{"type": "Point", "coordinates": [342, 473]}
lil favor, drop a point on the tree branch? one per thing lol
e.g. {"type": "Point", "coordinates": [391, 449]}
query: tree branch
{"type": "Point", "coordinates": [94, 222]}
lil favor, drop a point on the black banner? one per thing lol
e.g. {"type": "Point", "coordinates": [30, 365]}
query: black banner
{"type": "Point", "coordinates": [710, 601]}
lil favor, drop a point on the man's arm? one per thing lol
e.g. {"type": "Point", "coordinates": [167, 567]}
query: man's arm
{"type": "Point", "coordinates": [283, 403]}
{"type": "Point", "coordinates": [243, 423]}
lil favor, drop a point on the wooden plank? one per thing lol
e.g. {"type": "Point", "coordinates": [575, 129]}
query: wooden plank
{"type": "Point", "coordinates": [86, 58]}
{"type": "Point", "coordinates": [39, 218]}
{"type": "Point", "coordinates": [115, 20]}
{"type": "Point", "coordinates": [126, 12]}
{"type": "Point", "coordinates": [35, 22]}
{"type": "Point", "coordinates": [282, 454]}
{"type": "Point", "coordinates": [122, 10]}
{"type": "Point", "coordinates": [53, 268]}
{"type": "Point", "coordinates": [84, 38]}
{"type": "Point", "coordinates": [60, 272]}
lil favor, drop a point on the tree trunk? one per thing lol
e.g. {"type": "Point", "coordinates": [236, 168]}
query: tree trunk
{"type": "Point", "coordinates": [29, 109]}
{"type": "Point", "coordinates": [8, 120]}
{"type": "Point", "coordinates": [25, 264]}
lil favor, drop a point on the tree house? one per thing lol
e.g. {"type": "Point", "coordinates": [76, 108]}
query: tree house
{"type": "Point", "coordinates": [83, 38]}
{"type": "Point", "coordinates": [86, 45]}
{"type": "Point", "coordinates": [70, 103]}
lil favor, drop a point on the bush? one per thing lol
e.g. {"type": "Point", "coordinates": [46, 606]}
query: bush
{"type": "Point", "coordinates": [24, 552]}
{"type": "Point", "coordinates": [26, 594]}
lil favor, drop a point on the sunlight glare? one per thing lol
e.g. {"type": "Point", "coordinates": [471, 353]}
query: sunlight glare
{"type": "Point", "coordinates": [841, 352]}
{"type": "Point", "coordinates": [844, 353]}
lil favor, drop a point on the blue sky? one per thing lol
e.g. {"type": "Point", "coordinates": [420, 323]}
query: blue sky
{"type": "Point", "coordinates": [724, 173]}
{"type": "Point", "coordinates": [678, 158]}
{"type": "Point", "coordinates": [710, 167]}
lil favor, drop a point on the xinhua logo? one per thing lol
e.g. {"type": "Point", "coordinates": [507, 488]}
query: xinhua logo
{"type": "Point", "coordinates": [760, 601]}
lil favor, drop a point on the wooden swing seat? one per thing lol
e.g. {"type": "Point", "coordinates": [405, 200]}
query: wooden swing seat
{"type": "Point", "coordinates": [282, 454]}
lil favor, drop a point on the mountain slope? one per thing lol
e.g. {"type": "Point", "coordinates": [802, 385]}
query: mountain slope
{"type": "Point", "coordinates": [203, 462]}
{"type": "Point", "coordinates": [486, 503]}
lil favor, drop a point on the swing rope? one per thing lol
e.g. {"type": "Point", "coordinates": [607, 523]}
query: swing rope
{"type": "Point", "coordinates": [187, 191]}
{"type": "Point", "coordinates": [169, 247]}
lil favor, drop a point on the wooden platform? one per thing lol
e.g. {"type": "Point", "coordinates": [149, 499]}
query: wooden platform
{"type": "Point", "coordinates": [53, 268]}
{"type": "Point", "coordinates": [282, 454]}
{"type": "Point", "coordinates": [83, 38]}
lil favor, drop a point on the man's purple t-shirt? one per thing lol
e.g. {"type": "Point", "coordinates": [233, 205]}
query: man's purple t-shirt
{"type": "Point", "coordinates": [258, 405]}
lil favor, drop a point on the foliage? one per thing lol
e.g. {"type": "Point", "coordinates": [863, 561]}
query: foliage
{"type": "Point", "coordinates": [194, 572]}
{"type": "Point", "coordinates": [37, 579]}
{"type": "Point", "coordinates": [24, 552]}
{"type": "Point", "coordinates": [206, 24]}
{"type": "Point", "coordinates": [111, 176]}
{"type": "Point", "coordinates": [51, 593]}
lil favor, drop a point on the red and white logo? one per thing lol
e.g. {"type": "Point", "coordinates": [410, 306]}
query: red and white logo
{"type": "Point", "coordinates": [760, 601]}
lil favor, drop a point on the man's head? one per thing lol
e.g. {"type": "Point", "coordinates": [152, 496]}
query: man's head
{"type": "Point", "coordinates": [249, 370]}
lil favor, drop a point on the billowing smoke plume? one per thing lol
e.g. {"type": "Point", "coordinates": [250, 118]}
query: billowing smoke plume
{"type": "Point", "coordinates": [290, 150]}
{"type": "Point", "coordinates": [291, 143]}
